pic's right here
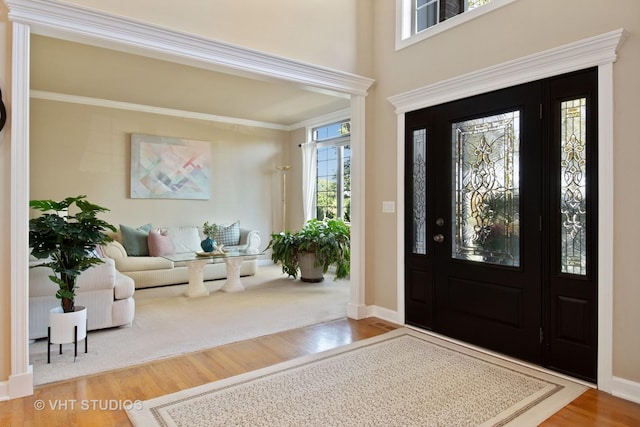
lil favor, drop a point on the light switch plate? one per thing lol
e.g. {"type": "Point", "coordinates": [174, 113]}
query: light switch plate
{"type": "Point", "coordinates": [388, 207]}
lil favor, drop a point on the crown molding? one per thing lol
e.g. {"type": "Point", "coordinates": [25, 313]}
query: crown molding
{"type": "Point", "coordinates": [141, 108]}
{"type": "Point", "coordinates": [590, 52]}
{"type": "Point", "coordinates": [336, 116]}
{"type": "Point", "coordinates": [80, 24]}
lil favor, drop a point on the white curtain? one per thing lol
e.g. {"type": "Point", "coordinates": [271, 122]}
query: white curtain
{"type": "Point", "coordinates": [309, 155]}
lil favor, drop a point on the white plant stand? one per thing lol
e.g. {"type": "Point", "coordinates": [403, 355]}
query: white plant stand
{"type": "Point", "coordinates": [65, 328]}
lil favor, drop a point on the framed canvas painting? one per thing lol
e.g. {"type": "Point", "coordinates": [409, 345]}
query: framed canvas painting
{"type": "Point", "coordinates": [170, 168]}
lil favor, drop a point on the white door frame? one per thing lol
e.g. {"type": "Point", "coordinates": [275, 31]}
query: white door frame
{"type": "Point", "coordinates": [598, 51]}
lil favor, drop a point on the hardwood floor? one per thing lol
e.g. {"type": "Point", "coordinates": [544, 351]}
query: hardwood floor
{"type": "Point", "coordinates": [97, 400]}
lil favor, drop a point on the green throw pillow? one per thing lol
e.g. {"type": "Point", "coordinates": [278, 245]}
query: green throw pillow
{"type": "Point", "coordinates": [134, 240]}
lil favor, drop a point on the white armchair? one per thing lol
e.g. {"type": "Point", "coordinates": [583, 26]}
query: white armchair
{"type": "Point", "coordinates": [107, 294]}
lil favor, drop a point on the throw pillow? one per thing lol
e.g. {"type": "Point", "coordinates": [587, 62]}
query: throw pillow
{"type": "Point", "coordinates": [185, 239]}
{"type": "Point", "coordinates": [134, 240]}
{"type": "Point", "coordinates": [160, 243]}
{"type": "Point", "coordinates": [228, 235]}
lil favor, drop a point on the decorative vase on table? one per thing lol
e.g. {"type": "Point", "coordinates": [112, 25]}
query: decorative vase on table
{"type": "Point", "coordinates": [208, 244]}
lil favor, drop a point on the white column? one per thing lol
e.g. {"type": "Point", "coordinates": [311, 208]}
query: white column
{"type": "Point", "coordinates": [21, 378]}
{"type": "Point", "coordinates": [605, 227]}
{"type": "Point", "coordinates": [357, 308]}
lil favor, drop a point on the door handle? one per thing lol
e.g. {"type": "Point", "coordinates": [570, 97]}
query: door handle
{"type": "Point", "coordinates": [438, 238]}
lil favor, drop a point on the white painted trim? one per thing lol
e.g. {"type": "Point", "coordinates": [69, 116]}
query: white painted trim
{"type": "Point", "coordinates": [326, 119]}
{"type": "Point", "coordinates": [400, 213]}
{"type": "Point", "coordinates": [403, 18]}
{"type": "Point", "coordinates": [140, 108]}
{"type": "Point", "coordinates": [90, 26]}
{"type": "Point", "coordinates": [21, 378]}
{"type": "Point", "coordinates": [356, 309]}
{"type": "Point", "coordinates": [625, 389]}
{"type": "Point", "coordinates": [605, 226]}
{"type": "Point", "coordinates": [384, 314]}
{"type": "Point", "coordinates": [590, 52]}
{"type": "Point", "coordinates": [600, 51]}
{"type": "Point", "coordinates": [50, 17]}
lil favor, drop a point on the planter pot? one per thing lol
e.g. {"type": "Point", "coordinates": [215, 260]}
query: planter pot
{"type": "Point", "coordinates": [308, 272]}
{"type": "Point", "coordinates": [67, 328]}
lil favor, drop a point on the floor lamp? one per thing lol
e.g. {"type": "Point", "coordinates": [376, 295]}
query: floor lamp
{"type": "Point", "coordinates": [284, 170]}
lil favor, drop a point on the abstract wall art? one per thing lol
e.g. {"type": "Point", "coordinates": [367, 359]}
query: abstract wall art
{"type": "Point", "coordinates": [170, 168]}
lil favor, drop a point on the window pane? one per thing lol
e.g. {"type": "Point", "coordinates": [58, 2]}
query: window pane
{"type": "Point", "coordinates": [346, 183]}
{"type": "Point", "coordinates": [333, 181]}
{"type": "Point", "coordinates": [487, 189]}
{"type": "Point", "coordinates": [419, 191]}
{"type": "Point", "coordinates": [333, 130]}
{"type": "Point", "coordinates": [426, 15]}
{"type": "Point", "coordinates": [573, 203]}
{"type": "Point", "coordinates": [326, 183]}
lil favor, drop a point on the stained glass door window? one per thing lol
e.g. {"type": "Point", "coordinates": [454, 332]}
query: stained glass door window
{"type": "Point", "coordinates": [486, 156]}
{"type": "Point", "coordinates": [419, 191]}
{"type": "Point", "coordinates": [573, 185]}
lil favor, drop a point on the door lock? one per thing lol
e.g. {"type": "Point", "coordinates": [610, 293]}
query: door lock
{"type": "Point", "coordinates": [438, 238]}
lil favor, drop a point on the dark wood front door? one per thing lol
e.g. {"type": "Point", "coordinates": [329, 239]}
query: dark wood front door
{"type": "Point", "coordinates": [500, 226]}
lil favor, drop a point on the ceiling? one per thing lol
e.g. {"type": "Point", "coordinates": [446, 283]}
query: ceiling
{"type": "Point", "coordinates": [64, 67]}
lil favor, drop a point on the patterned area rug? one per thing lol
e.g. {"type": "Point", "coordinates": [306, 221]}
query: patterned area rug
{"type": "Point", "coordinates": [401, 378]}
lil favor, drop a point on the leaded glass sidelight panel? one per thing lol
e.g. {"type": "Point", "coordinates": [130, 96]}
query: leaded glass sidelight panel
{"type": "Point", "coordinates": [419, 191]}
{"type": "Point", "coordinates": [486, 211]}
{"type": "Point", "coordinates": [573, 200]}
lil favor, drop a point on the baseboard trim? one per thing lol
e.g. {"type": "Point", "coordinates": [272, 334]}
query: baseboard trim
{"type": "Point", "coordinates": [384, 314]}
{"type": "Point", "coordinates": [357, 312]}
{"type": "Point", "coordinates": [626, 389]}
{"type": "Point", "coordinates": [17, 386]}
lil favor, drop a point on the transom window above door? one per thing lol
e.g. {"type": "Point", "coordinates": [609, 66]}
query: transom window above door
{"type": "Point", "coordinates": [417, 20]}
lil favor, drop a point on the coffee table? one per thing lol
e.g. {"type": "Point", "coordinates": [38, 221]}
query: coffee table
{"type": "Point", "coordinates": [196, 262]}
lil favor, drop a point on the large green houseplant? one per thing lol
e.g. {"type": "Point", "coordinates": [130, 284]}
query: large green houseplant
{"type": "Point", "coordinates": [328, 240]}
{"type": "Point", "coordinates": [67, 241]}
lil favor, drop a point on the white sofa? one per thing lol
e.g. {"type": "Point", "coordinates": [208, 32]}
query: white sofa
{"type": "Point", "coordinates": [107, 294]}
{"type": "Point", "coordinates": [149, 271]}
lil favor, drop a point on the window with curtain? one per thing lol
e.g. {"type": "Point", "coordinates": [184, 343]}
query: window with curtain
{"type": "Point", "coordinates": [333, 170]}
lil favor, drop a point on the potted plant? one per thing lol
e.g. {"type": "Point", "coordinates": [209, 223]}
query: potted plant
{"type": "Point", "coordinates": [209, 230]}
{"type": "Point", "coordinates": [67, 241]}
{"type": "Point", "coordinates": [326, 243]}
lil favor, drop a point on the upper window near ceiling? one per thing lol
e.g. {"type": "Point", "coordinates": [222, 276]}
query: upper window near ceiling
{"type": "Point", "coordinates": [417, 20]}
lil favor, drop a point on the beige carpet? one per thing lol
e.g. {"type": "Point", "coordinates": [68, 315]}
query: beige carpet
{"type": "Point", "coordinates": [168, 323]}
{"type": "Point", "coordinates": [402, 378]}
